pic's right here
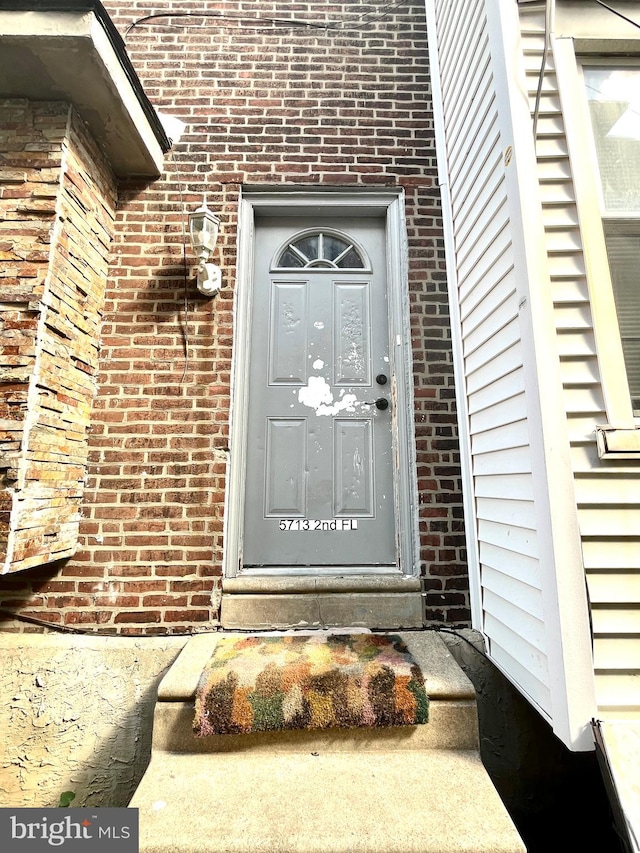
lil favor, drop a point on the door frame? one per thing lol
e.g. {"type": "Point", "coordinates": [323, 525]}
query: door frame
{"type": "Point", "coordinates": [389, 204]}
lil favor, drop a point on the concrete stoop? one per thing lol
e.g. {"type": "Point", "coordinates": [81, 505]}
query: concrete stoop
{"type": "Point", "coordinates": [415, 789]}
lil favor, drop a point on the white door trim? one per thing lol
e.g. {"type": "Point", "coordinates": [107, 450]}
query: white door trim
{"type": "Point", "coordinates": [389, 203]}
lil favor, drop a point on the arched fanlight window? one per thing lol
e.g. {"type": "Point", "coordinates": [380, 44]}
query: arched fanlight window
{"type": "Point", "coordinates": [320, 250]}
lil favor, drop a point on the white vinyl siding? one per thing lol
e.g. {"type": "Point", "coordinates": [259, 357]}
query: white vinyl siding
{"type": "Point", "coordinates": [518, 595]}
{"type": "Point", "coordinates": [584, 404]}
{"type": "Point", "coordinates": [607, 493]}
{"type": "Point", "coordinates": [492, 352]}
{"type": "Point", "coordinates": [531, 496]}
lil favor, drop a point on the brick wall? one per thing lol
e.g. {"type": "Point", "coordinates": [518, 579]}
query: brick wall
{"type": "Point", "coordinates": [57, 200]}
{"type": "Point", "coordinates": [343, 103]}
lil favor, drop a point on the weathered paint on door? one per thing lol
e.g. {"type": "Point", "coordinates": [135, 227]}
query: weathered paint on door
{"type": "Point", "coordinates": [319, 493]}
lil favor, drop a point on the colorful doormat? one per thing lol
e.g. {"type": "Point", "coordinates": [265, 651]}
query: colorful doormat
{"type": "Point", "coordinates": [258, 684]}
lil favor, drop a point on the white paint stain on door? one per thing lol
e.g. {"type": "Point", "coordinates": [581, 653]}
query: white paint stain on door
{"type": "Point", "coordinates": [317, 395]}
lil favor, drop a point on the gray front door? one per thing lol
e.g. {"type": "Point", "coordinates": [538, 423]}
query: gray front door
{"type": "Point", "coordinates": [319, 490]}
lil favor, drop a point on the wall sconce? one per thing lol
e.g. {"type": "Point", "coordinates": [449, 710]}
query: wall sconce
{"type": "Point", "coordinates": [203, 228]}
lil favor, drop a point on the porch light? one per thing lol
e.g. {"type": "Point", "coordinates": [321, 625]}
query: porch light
{"type": "Point", "coordinates": [203, 228]}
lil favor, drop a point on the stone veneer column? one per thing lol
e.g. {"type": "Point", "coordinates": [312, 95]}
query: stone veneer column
{"type": "Point", "coordinates": [57, 206]}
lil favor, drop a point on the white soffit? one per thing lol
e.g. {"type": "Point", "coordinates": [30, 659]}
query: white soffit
{"type": "Point", "coordinates": [68, 56]}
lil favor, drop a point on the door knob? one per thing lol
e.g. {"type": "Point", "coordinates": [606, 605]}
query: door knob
{"type": "Point", "coordinates": [381, 379]}
{"type": "Point", "coordinates": [381, 403]}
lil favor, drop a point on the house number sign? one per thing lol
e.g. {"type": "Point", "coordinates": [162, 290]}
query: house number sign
{"type": "Point", "coordinates": [311, 524]}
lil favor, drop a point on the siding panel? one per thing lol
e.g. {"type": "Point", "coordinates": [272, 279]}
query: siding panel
{"type": "Point", "coordinates": [501, 559]}
{"type": "Point", "coordinates": [536, 688]}
{"type": "Point", "coordinates": [616, 655]}
{"type": "Point", "coordinates": [504, 363]}
{"type": "Point", "coordinates": [511, 513]}
{"type": "Point", "coordinates": [612, 522]}
{"type": "Point", "coordinates": [493, 323]}
{"type": "Point", "coordinates": [511, 486]}
{"type": "Point", "coordinates": [481, 121]}
{"type": "Point", "coordinates": [486, 351]}
{"type": "Point", "coordinates": [522, 633]}
{"type": "Point", "coordinates": [507, 412]}
{"type": "Point", "coordinates": [513, 435]}
{"type": "Point", "coordinates": [490, 336]}
{"type": "Point", "coordinates": [510, 460]}
{"type": "Point", "coordinates": [493, 269]}
{"type": "Point", "coordinates": [618, 694]}
{"type": "Point", "coordinates": [519, 543]}
{"type": "Point", "coordinates": [490, 305]}
{"type": "Point", "coordinates": [598, 554]}
{"type": "Point", "coordinates": [607, 494]}
{"type": "Point", "coordinates": [616, 621]}
{"type": "Point", "coordinates": [520, 594]}
{"type": "Point", "coordinates": [597, 491]}
{"type": "Point", "coordinates": [614, 587]}
{"type": "Point", "coordinates": [502, 389]}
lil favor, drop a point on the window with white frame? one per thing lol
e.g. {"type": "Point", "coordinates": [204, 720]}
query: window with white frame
{"type": "Point", "coordinates": [613, 95]}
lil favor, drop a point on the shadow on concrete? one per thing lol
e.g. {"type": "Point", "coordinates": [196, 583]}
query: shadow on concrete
{"type": "Point", "coordinates": [556, 798]}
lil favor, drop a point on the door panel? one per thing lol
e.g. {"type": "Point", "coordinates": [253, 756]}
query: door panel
{"type": "Point", "coordinates": [319, 490]}
{"type": "Point", "coordinates": [285, 459]}
{"type": "Point", "coordinates": [352, 356]}
{"type": "Point", "coordinates": [288, 332]}
{"type": "Point", "coordinates": [353, 474]}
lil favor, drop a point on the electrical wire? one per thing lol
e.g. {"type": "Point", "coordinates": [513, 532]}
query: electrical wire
{"type": "Point", "coordinates": [619, 14]}
{"type": "Point", "coordinates": [549, 13]}
{"type": "Point", "coordinates": [383, 12]}
{"type": "Point", "coordinates": [89, 632]}
{"type": "Point", "coordinates": [67, 629]}
{"type": "Point", "coordinates": [186, 283]}
{"type": "Point", "coordinates": [364, 20]}
{"type": "Point", "coordinates": [549, 10]}
{"type": "Point", "coordinates": [439, 629]}
{"type": "Point", "coordinates": [291, 23]}
{"type": "Point", "coordinates": [44, 623]}
{"type": "Point", "coordinates": [548, 29]}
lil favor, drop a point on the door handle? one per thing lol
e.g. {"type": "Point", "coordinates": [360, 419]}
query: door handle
{"type": "Point", "coordinates": [381, 403]}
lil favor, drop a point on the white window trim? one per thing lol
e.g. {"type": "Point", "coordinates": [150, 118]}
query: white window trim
{"type": "Point", "coordinates": [577, 122]}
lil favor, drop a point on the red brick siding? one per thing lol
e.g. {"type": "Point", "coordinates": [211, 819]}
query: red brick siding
{"type": "Point", "coordinates": [264, 104]}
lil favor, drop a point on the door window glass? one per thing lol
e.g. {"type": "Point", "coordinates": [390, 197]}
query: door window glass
{"type": "Point", "coordinates": [320, 250]}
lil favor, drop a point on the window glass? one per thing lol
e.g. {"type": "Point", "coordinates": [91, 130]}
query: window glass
{"type": "Point", "coordinates": [614, 106]}
{"type": "Point", "coordinates": [613, 95]}
{"type": "Point", "coordinates": [320, 250]}
{"type": "Point", "coordinates": [309, 246]}
{"type": "Point", "coordinates": [333, 247]}
{"type": "Point", "coordinates": [624, 261]}
{"type": "Point", "coordinates": [288, 259]}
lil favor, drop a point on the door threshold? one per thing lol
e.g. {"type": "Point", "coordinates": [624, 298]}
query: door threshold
{"type": "Point", "coordinates": [263, 603]}
{"type": "Point", "coordinates": [317, 571]}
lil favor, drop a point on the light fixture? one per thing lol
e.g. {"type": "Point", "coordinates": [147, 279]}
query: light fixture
{"type": "Point", "coordinates": [203, 228]}
{"type": "Point", "coordinates": [172, 126]}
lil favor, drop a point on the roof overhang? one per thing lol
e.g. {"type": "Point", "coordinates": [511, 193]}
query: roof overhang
{"type": "Point", "coordinates": [69, 50]}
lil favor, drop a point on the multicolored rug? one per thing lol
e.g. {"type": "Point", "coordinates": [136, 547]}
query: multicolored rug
{"type": "Point", "coordinates": [257, 684]}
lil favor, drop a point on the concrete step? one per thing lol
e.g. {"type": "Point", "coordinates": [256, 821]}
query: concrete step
{"type": "Point", "coordinates": [416, 789]}
{"type": "Point", "coordinates": [436, 801]}
{"type": "Point", "coordinates": [453, 722]}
